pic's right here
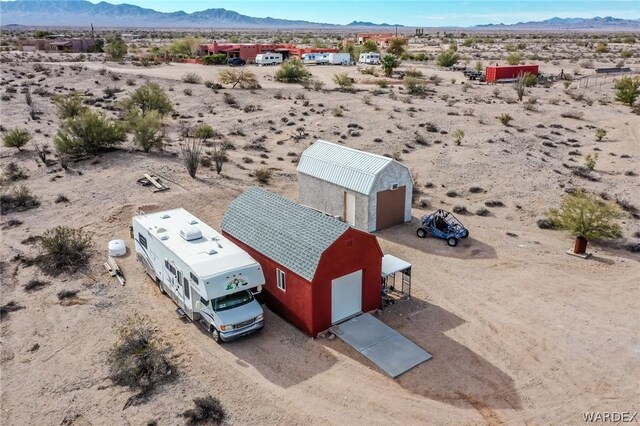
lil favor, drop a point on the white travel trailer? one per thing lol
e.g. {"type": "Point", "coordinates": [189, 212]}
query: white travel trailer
{"type": "Point", "coordinates": [315, 58]}
{"type": "Point", "coordinates": [341, 58]}
{"type": "Point", "coordinates": [371, 58]}
{"type": "Point", "coordinates": [269, 58]}
{"type": "Point", "coordinates": [211, 279]}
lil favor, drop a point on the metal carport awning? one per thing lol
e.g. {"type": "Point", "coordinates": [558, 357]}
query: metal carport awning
{"type": "Point", "coordinates": [392, 265]}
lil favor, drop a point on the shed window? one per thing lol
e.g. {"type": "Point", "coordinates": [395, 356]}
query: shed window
{"type": "Point", "coordinates": [142, 240]}
{"type": "Point", "coordinates": [193, 277]}
{"type": "Point", "coordinates": [281, 280]}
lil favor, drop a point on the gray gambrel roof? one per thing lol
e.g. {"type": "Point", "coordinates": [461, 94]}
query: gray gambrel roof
{"type": "Point", "coordinates": [346, 167]}
{"type": "Point", "coordinates": [288, 233]}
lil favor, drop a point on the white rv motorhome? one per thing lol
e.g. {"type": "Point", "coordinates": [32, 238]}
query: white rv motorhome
{"type": "Point", "coordinates": [340, 58]}
{"type": "Point", "coordinates": [211, 279]}
{"type": "Point", "coordinates": [371, 58]}
{"type": "Point", "coordinates": [269, 58]}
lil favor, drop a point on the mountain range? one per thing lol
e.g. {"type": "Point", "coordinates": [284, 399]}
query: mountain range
{"type": "Point", "coordinates": [82, 13]}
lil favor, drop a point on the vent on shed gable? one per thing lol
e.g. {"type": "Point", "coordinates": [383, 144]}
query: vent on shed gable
{"type": "Point", "coordinates": [190, 233]}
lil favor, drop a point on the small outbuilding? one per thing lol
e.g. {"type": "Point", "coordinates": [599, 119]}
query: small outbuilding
{"type": "Point", "coordinates": [368, 191]}
{"type": "Point", "coordinates": [318, 270]}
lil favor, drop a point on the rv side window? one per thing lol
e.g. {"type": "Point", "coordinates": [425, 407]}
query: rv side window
{"type": "Point", "coordinates": [186, 288]}
{"type": "Point", "coordinates": [166, 265]}
{"type": "Point", "coordinates": [193, 277]}
{"type": "Point", "coordinates": [281, 279]}
{"type": "Point", "coordinates": [142, 240]}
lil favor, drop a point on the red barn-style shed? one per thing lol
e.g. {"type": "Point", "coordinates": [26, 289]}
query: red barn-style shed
{"type": "Point", "coordinates": [318, 270]}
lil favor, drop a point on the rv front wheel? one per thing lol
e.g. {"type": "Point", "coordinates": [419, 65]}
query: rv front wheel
{"type": "Point", "coordinates": [159, 283]}
{"type": "Point", "coordinates": [216, 336]}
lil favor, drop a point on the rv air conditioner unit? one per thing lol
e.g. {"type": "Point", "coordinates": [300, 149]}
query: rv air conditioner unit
{"type": "Point", "coordinates": [190, 233]}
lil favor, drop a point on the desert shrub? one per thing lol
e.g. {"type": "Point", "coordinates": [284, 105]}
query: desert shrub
{"type": "Point", "coordinates": [208, 411]}
{"type": "Point", "coordinates": [590, 161]}
{"type": "Point", "coordinates": [239, 77]}
{"type": "Point", "coordinates": [229, 99]}
{"type": "Point", "coordinates": [35, 285]}
{"type": "Point", "coordinates": [415, 86]}
{"type": "Point", "coordinates": [514, 58]}
{"type": "Point", "coordinates": [149, 96]}
{"type": "Point", "coordinates": [389, 62]}
{"type": "Point", "coordinates": [116, 48]}
{"type": "Point", "coordinates": [627, 90]}
{"type": "Point", "coordinates": [382, 83]}
{"type": "Point", "coordinates": [505, 118]}
{"type": "Point", "coordinates": [483, 212]}
{"type": "Point", "coordinates": [337, 112]}
{"type": "Point", "coordinates": [139, 358]}
{"type": "Point", "coordinates": [317, 85]}
{"type": "Point", "coordinates": [292, 71]}
{"type": "Point", "coordinates": [448, 58]}
{"type": "Point", "coordinates": [626, 53]}
{"type": "Point", "coordinates": [64, 249]}
{"type": "Point", "coordinates": [90, 133]}
{"type": "Point", "coordinates": [601, 47]}
{"type": "Point", "coordinates": [13, 173]}
{"type": "Point", "coordinates": [600, 134]}
{"type": "Point", "coordinates": [494, 203]}
{"type": "Point", "coordinates": [147, 130]}
{"type": "Point", "coordinates": [17, 198]}
{"type": "Point", "coordinates": [458, 135]}
{"type": "Point", "coordinates": [69, 106]}
{"type": "Point", "coordinates": [191, 153]}
{"type": "Point", "coordinates": [204, 132]}
{"type": "Point", "coordinates": [215, 59]}
{"type": "Point", "coordinates": [61, 199]}
{"type": "Point", "coordinates": [263, 175]}
{"type": "Point", "coordinates": [188, 91]}
{"type": "Point", "coordinates": [343, 80]}
{"type": "Point", "coordinates": [9, 307]}
{"type": "Point", "coordinates": [213, 85]}
{"type": "Point", "coordinates": [191, 78]}
{"type": "Point", "coordinates": [460, 210]}
{"type": "Point", "coordinates": [545, 223]}
{"type": "Point", "coordinates": [130, 82]}
{"type": "Point", "coordinates": [586, 215]}
{"type": "Point", "coordinates": [16, 138]}
{"type": "Point", "coordinates": [67, 294]}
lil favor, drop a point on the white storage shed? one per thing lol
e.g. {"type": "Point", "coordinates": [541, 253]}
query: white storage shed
{"type": "Point", "coordinates": [368, 191]}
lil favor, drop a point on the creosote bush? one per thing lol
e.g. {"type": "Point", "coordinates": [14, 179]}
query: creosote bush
{"type": "Point", "coordinates": [69, 106]}
{"type": "Point", "coordinates": [458, 135]}
{"type": "Point", "coordinates": [16, 138]}
{"type": "Point", "coordinates": [504, 118]}
{"type": "Point", "coordinates": [147, 130]}
{"type": "Point", "coordinates": [192, 78]}
{"type": "Point", "coordinates": [263, 175]}
{"type": "Point", "coordinates": [139, 359]}
{"type": "Point", "coordinates": [88, 133]}
{"type": "Point", "coordinates": [343, 80]}
{"type": "Point", "coordinates": [17, 198]}
{"type": "Point", "coordinates": [149, 96]}
{"type": "Point", "coordinates": [600, 134]}
{"type": "Point", "coordinates": [292, 71]}
{"type": "Point", "coordinates": [64, 249]}
{"type": "Point", "coordinates": [448, 58]}
{"type": "Point", "coordinates": [627, 90]}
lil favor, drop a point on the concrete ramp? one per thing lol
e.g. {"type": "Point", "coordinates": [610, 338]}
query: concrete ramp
{"type": "Point", "coordinates": [384, 346]}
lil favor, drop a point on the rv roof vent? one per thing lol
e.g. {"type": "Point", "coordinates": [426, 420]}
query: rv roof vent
{"type": "Point", "coordinates": [190, 233]}
{"type": "Point", "coordinates": [192, 222]}
{"type": "Point", "coordinates": [161, 230]}
{"type": "Point", "coordinates": [211, 251]}
{"type": "Point", "coordinates": [165, 216]}
{"type": "Point", "coordinates": [164, 237]}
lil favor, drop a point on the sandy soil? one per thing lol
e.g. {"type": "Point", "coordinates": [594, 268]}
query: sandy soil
{"type": "Point", "coordinates": [520, 332]}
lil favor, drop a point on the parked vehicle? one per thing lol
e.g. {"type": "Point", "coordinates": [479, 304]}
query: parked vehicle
{"type": "Point", "coordinates": [315, 58]}
{"type": "Point", "coordinates": [269, 58]}
{"type": "Point", "coordinates": [370, 58]}
{"type": "Point", "coordinates": [236, 62]}
{"type": "Point", "coordinates": [212, 280]}
{"type": "Point", "coordinates": [442, 224]}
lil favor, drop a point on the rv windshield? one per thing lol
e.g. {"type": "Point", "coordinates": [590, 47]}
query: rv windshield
{"type": "Point", "coordinates": [232, 301]}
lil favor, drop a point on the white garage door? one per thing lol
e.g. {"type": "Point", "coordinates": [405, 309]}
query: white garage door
{"type": "Point", "coordinates": [346, 296]}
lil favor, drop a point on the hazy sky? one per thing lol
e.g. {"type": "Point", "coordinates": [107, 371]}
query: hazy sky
{"type": "Point", "coordinates": [409, 12]}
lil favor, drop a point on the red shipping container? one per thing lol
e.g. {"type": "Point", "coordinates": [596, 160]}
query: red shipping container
{"type": "Point", "coordinates": [508, 71]}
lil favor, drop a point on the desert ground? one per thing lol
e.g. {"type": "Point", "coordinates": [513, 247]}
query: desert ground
{"type": "Point", "coordinates": [520, 332]}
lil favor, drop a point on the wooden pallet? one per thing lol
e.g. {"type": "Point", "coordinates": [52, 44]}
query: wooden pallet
{"type": "Point", "coordinates": [114, 270]}
{"type": "Point", "coordinates": [153, 180]}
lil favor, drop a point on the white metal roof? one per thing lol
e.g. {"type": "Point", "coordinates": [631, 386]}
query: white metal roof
{"type": "Point", "coordinates": [392, 264]}
{"type": "Point", "coordinates": [211, 255]}
{"type": "Point", "coordinates": [343, 166]}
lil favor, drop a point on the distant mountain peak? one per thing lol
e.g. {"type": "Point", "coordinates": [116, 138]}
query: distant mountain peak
{"type": "Point", "coordinates": [557, 23]}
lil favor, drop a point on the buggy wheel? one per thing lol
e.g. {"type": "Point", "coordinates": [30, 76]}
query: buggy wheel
{"type": "Point", "coordinates": [452, 241]}
{"type": "Point", "coordinates": [465, 234]}
{"type": "Point", "coordinates": [421, 232]}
